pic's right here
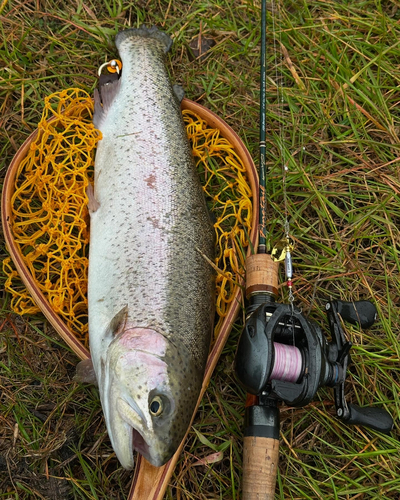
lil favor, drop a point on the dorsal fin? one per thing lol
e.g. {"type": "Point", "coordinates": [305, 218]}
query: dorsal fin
{"type": "Point", "coordinates": [179, 92]}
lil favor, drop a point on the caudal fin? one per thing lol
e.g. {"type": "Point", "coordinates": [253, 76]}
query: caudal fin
{"type": "Point", "coordinates": [144, 32]}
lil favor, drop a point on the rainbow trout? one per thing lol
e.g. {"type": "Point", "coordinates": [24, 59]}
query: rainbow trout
{"type": "Point", "coordinates": [151, 291]}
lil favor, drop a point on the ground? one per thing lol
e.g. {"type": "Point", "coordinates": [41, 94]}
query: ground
{"type": "Point", "coordinates": [332, 117]}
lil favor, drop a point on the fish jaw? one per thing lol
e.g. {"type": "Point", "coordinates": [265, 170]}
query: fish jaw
{"type": "Point", "coordinates": [139, 373]}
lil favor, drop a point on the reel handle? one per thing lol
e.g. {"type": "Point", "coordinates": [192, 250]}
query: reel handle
{"type": "Point", "coordinates": [361, 312]}
{"type": "Point", "coordinates": [260, 452]}
{"type": "Point", "coordinates": [374, 418]}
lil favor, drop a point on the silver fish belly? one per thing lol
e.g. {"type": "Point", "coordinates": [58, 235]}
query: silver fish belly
{"type": "Point", "coordinates": [151, 292]}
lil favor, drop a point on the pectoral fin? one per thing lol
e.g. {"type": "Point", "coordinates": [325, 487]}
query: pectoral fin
{"type": "Point", "coordinates": [117, 324]}
{"type": "Point", "coordinates": [85, 372]}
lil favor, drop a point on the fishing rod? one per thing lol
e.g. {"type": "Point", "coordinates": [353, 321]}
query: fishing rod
{"type": "Point", "coordinates": [262, 215]}
{"type": "Point", "coordinates": [282, 356]}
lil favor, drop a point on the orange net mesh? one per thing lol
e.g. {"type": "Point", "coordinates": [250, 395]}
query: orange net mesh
{"type": "Point", "coordinates": [50, 217]}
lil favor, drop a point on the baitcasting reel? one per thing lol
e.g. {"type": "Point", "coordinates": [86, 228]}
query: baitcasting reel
{"type": "Point", "coordinates": [282, 355]}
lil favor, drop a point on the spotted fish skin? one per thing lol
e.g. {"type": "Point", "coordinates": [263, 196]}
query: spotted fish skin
{"type": "Point", "coordinates": [150, 290]}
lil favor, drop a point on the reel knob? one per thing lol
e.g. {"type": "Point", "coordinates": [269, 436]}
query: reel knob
{"type": "Point", "coordinates": [374, 418]}
{"type": "Point", "coordinates": [361, 312]}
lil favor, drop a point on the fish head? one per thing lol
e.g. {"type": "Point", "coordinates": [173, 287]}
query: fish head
{"type": "Point", "coordinates": [149, 392]}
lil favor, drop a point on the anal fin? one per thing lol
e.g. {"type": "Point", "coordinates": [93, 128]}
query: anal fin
{"type": "Point", "coordinates": [103, 101]}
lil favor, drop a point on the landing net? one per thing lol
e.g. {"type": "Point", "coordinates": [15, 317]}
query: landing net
{"type": "Point", "coordinates": [51, 220]}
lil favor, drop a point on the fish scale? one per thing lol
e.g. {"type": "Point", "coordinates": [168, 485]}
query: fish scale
{"type": "Point", "coordinates": [150, 289]}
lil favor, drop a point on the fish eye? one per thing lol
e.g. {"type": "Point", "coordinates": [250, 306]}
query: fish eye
{"type": "Point", "coordinates": [156, 406]}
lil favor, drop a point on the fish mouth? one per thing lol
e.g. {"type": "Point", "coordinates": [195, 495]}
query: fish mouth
{"type": "Point", "coordinates": [134, 418]}
{"type": "Point", "coordinates": [139, 444]}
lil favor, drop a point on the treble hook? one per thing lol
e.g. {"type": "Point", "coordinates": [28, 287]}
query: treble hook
{"type": "Point", "coordinates": [113, 66]}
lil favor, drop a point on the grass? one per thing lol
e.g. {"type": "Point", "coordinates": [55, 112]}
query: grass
{"type": "Point", "coordinates": [333, 95]}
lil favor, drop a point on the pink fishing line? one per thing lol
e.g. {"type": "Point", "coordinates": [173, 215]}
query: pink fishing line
{"type": "Point", "coordinates": [288, 363]}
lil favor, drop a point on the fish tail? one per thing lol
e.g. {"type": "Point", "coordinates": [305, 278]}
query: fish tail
{"type": "Point", "coordinates": [145, 32]}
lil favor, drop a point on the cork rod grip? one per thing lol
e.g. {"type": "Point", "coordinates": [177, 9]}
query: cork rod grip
{"type": "Point", "coordinates": [260, 465]}
{"type": "Point", "coordinates": [261, 274]}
